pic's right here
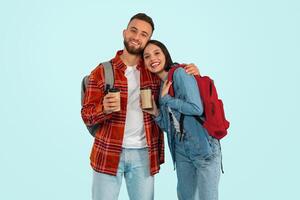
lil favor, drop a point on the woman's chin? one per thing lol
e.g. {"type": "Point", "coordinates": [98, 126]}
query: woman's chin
{"type": "Point", "coordinates": [154, 71]}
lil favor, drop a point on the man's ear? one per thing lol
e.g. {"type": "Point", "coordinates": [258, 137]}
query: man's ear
{"type": "Point", "coordinates": [124, 32]}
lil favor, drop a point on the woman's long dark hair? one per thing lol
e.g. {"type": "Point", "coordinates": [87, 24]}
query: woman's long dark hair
{"type": "Point", "coordinates": [165, 51]}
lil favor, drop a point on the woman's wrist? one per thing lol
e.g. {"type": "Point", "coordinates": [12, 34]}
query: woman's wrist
{"type": "Point", "coordinates": [156, 113]}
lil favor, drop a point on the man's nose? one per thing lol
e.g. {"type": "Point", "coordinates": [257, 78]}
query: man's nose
{"type": "Point", "coordinates": [137, 37]}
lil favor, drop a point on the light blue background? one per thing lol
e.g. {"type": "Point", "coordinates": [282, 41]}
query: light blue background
{"type": "Point", "coordinates": [250, 48]}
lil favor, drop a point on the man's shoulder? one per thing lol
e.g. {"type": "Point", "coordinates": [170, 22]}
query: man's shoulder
{"type": "Point", "coordinates": [98, 68]}
{"type": "Point", "coordinates": [98, 72]}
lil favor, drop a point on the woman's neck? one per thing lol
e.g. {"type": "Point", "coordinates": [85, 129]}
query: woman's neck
{"type": "Point", "coordinates": [162, 75]}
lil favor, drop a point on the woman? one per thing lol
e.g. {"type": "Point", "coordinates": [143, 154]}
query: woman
{"type": "Point", "coordinates": [197, 156]}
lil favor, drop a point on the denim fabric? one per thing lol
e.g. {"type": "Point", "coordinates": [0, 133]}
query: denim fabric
{"type": "Point", "coordinates": [134, 166]}
{"type": "Point", "coordinates": [187, 101]}
{"type": "Point", "coordinates": [198, 156]}
{"type": "Point", "coordinates": [198, 177]}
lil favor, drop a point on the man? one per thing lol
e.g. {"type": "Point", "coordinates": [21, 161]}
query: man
{"type": "Point", "coordinates": [128, 142]}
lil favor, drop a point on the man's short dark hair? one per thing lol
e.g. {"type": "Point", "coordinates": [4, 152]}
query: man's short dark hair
{"type": "Point", "coordinates": [143, 17]}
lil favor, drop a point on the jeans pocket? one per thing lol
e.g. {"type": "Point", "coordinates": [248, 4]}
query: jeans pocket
{"type": "Point", "coordinates": [215, 145]}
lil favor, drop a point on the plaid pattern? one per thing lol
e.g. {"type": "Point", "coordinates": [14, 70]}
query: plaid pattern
{"type": "Point", "coordinates": [107, 145]}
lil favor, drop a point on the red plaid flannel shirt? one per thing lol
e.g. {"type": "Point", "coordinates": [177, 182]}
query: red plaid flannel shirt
{"type": "Point", "coordinates": [107, 145]}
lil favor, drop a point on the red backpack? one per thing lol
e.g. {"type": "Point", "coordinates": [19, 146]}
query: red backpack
{"type": "Point", "coordinates": [213, 118]}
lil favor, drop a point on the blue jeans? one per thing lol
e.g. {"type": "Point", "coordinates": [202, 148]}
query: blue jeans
{"type": "Point", "coordinates": [198, 177]}
{"type": "Point", "coordinates": [134, 165]}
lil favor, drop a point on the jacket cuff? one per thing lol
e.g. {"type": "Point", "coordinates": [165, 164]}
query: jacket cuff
{"type": "Point", "coordinates": [164, 100]}
{"type": "Point", "coordinates": [158, 118]}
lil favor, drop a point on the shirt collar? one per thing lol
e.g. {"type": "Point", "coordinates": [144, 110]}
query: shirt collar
{"type": "Point", "coordinates": [117, 61]}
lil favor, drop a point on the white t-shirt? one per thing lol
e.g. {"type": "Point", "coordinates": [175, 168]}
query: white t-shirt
{"type": "Point", "coordinates": [134, 136]}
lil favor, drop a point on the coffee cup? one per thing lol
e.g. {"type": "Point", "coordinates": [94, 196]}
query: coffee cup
{"type": "Point", "coordinates": [116, 94]}
{"type": "Point", "coordinates": [146, 98]}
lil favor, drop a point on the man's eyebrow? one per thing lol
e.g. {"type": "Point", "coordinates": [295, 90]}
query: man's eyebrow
{"type": "Point", "coordinates": [145, 33]}
{"type": "Point", "coordinates": [133, 27]}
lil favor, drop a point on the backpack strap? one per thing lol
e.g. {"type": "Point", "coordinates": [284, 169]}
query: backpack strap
{"type": "Point", "coordinates": [170, 78]}
{"type": "Point", "coordinates": [108, 75]}
{"type": "Point", "coordinates": [181, 119]}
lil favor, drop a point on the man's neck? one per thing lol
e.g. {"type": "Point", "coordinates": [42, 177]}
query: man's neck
{"type": "Point", "coordinates": [130, 59]}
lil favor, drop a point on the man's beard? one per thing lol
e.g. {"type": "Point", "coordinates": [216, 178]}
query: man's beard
{"type": "Point", "coordinates": [132, 50]}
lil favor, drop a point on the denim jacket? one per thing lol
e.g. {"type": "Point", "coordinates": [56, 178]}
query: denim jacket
{"type": "Point", "coordinates": [186, 101]}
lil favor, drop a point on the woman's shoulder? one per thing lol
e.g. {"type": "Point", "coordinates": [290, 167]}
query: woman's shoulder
{"type": "Point", "coordinates": [180, 74]}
